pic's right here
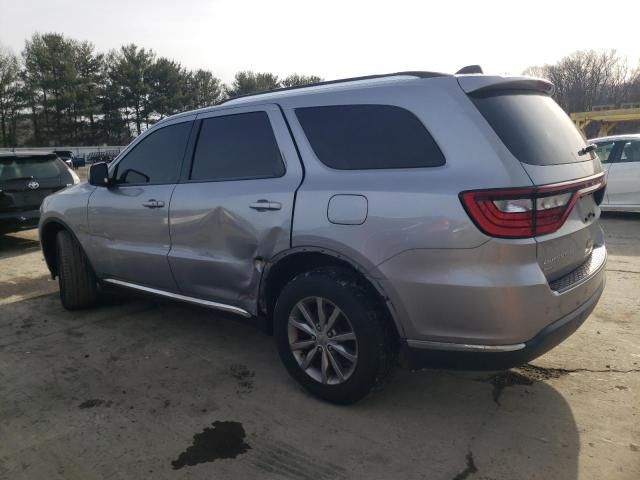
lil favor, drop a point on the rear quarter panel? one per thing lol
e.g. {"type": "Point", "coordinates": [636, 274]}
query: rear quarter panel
{"type": "Point", "coordinates": [407, 208]}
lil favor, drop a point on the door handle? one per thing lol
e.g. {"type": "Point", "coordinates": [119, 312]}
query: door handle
{"type": "Point", "coordinates": [262, 205]}
{"type": "Point", "coordinates": [153, 203]}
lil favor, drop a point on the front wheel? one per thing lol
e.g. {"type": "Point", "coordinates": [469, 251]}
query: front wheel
{"type": "Point", "coordinates": [77, 282]}
{"type": "Point", "coordinates": [331, 335]}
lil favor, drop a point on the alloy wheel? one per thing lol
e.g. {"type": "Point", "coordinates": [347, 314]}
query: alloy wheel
{"type": "Point", "coordinates": [322, 340]}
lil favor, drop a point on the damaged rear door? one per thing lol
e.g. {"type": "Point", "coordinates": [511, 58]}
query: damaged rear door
{"type": "Point", "coordinates": [233, 208]}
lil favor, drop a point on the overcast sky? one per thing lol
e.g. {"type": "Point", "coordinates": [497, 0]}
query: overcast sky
{"type": "Point", "coordinates": [336, 39]}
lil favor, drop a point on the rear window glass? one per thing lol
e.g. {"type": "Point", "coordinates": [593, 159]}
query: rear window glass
{"type": "Point", "coordinates": [12, 168]}
{"type": "Point", "coordinates": [360, 137]}
{"type": "Point", "coordinates": [234, 147]}
{"type": "Point", "coordinates": [533, 127]}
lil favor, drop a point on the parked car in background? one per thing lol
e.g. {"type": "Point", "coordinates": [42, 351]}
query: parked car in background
{"type": "Point", "coordinates": [620, 157]}
{"type": "Point", "coordinates": [71, 160]}
{"type": "Point", "coordinates": [66, 156]}
{"type": "Point", "coordinates": [105, 156]}
{"type": "Point", "coordinates": [26, 178]}
{"type": "Point", "coordinates": [417, 214]}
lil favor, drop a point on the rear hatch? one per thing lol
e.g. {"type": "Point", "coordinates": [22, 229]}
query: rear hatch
{"type": "Point", "coordinates": [568, 181]}
{"type": "Point", "coordinates": [25, 180]}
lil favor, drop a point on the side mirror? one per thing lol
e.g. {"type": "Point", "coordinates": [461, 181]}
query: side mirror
{"type": "Point", "coordinates": [99, 174]}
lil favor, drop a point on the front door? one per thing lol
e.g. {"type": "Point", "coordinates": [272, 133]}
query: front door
{"type": "Point", "coordinates": [232, 210]}
{"type": "Point", "coordinates": [129, 221]}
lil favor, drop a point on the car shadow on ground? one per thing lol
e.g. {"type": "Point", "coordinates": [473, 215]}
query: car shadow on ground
{"type": "Point", "coordinates": [122, 389]}
{"type": "Point", "coordinates": [14, 244]}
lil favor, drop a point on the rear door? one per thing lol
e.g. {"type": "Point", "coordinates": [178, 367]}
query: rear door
{"type": "Point", "coordinates": [129, 221]}
{"type": "Point", "coordinates": [624, 176]}
{"type": "Point", "coordinates": [541, 136]}
{"type": "Point", "coordinates": [232, 211]}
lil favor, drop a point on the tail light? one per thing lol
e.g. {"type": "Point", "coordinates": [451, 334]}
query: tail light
{"type": "Point", "coordinates": [528, 211]}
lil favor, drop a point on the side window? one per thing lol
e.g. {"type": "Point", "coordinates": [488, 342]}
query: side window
{"type": "Point", "coordinates": [631, 152]}
{"type": "Point", "coordinates": [236, 147]}
{"type": "Point", "coordinates": [604, 151]}
{"type": "Point", "coordinates": [358, 137]}
{"type": "Point", "coordinates": [156, 159]}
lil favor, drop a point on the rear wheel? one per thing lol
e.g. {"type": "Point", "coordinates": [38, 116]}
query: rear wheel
{"type": "Point", "coordinates": [331, 335]}
{"type": "Point", "coordinates": [77, 282]}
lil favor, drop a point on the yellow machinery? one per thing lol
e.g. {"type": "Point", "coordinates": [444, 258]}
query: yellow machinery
{"type": "Point", "coordinates": [609, 118]}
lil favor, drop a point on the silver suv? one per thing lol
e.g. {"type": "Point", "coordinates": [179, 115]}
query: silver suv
{"type": "Point", "coordinates": [442, 220]}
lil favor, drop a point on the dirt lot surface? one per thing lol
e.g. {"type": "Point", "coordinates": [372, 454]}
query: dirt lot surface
{"type": "Point", "coordinates": [142, 388]}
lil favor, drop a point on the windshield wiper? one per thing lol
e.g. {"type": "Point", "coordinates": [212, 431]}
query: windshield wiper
{"type": "Point", "coordinates": [589, 148]}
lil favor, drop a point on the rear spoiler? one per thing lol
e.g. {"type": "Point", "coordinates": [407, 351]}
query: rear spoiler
{"type": "Point", "coordinates": [480, 84]}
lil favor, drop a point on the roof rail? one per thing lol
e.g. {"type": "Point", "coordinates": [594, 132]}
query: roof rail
{"type": "Point", "coordinates": [417, 74]}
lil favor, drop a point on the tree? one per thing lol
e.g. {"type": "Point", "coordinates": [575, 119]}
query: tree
{"type": "Point", "coordinates": [9, 95]}
{"type": "Point", "coordinates": [51, 74]}
{"type": "Point", "coordinates": [89, 67]}
{"type": "Point", "coordinates": [295, 80]}
{"type": "Point", "coordinates": [246, 82]}
{"type": "Point", "coordinates": [203, 89]}
{"type": "Point", "coordinates": [166, 81]}
{"type": "Point", "coordinates": [128, 69]}
{"type": "Point", "coordinates": [587, 78]}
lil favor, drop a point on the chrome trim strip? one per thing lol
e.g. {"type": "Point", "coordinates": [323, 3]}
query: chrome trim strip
{"type": "Point", "coordinates": [183, 298]}
{"type": "Point", "coordinates": [463, 347]}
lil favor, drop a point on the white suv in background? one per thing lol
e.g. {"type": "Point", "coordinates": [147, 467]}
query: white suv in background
{"type": "Point", "coordinates": [620, 157]}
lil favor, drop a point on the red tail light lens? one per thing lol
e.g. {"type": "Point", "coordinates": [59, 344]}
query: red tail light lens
{"type": "Point", "coordinates": [529, 211]}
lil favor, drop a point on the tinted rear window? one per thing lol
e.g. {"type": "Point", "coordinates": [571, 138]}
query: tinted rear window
{"type": "Point", "coordinates": [533, 127]}
{"type": "Point", "coordinates": [358, 137]}
{"type": "Point", "coordinates": [26, 167]}
{"type": "Point", "coordinates": [235, 147]}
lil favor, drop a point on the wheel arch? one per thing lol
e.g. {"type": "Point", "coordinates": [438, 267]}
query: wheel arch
{"type": "Point", "coordinates": [48, 230]}
{"type": "Point", "coordinates": [286, 265]}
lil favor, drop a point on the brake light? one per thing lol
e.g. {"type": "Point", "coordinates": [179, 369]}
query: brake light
{"type": "Point", "coordinates": [528, 211]}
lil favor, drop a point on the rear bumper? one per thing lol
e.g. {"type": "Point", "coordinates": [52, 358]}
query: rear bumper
{"type": "Point", "coordinates": [16, 221]}
{"type": "Point", "coordinates": [495, 294]}
{"type": "Point", "coordinates": [422, 354]}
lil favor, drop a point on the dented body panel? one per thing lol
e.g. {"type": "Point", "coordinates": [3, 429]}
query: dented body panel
{"type": "Point", "coordinates": [219, 243]}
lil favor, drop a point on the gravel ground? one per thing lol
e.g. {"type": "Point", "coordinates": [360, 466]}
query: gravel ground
{"type": "Point", "coordinates": [141, 388]}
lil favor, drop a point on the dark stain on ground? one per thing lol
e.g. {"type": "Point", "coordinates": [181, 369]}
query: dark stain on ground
{"type": "Point", "coordinates": [470, 468]}
{"type": "Point", "coordinates": [27, 323]}
{"type": "Point", "coordinates": [244, 377]}
{"type": "Point", "coordinates": [74, 333]}
{"type": "Point", "coordinates": [224, 440]}
{"type": "Point", "coordinates": [525, 375]}
{"type": "Point", "coordinates": [95, 402]}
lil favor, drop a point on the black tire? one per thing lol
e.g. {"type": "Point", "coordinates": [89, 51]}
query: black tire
{"type": "Point", "coordinates": [77, 282]}
{"type": "Point", "coordinates": [367, 317]}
